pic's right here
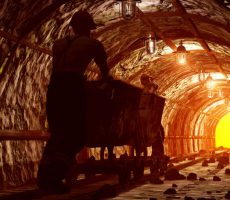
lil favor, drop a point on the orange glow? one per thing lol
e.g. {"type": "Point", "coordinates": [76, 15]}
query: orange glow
{"type": "Point", "coordinates": [223, 132]}
{"type": "Point", "coordinates": [181, 58]}
{"type": "Point", "coordinates": [210, 83]}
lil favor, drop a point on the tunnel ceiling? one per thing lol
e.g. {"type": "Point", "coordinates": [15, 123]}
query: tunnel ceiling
{"type": "Point", "coordinates": [28, 29]}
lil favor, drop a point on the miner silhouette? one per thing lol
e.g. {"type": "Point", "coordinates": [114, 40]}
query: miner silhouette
{"type": "Point", "coordinates": [66, 100]}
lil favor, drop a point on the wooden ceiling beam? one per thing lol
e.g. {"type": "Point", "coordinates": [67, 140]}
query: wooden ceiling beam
{"type": "Point", "coordinates": [162, 14]}
{"type": "Point", "coordinates": [15, 39]}
{"type": "Point", "coordinates": [171, 14]}
{"type": "Point", "coordinates": [165, 14]}
{"type": "Point", "coordinates": [209, 21]}
{"type": "Point", "coordinates": [191, 24]}
{"type": "Point", "coordinates": [155, 29]}
{"type": "Point", "coordinates": [35, 20]}
{"type": "Point", "coordinates": [196, 33]}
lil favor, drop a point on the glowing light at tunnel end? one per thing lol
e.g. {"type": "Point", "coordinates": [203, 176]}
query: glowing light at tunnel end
{"type": "Point", "coordinates": [223, 132]}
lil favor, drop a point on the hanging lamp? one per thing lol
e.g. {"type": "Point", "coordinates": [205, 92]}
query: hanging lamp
{"type": "Point", "coordinates": [220, 93]}
{"type": "Point", "coordinates": [227, 103]}
{"type": "Point", "coordinates": [210, 85]}
{"type": "Point", "coordinates": [128, 8]}
{"type": "Point", "coordinates": [209, 82]}
{"type": "Point", "coordinates": [181, 54]}
{"type": "Point", "coordinates": [150, 43]}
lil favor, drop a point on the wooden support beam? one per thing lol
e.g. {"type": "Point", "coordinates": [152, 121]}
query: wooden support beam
{"type": "Point", "coordinates": [208, 21]}
{"type": "Point", "coordinates": [188, 137]}
{"type": "Point", "coordinates": [180, 105]}
{"type": "Point", "coordinates": [13, 38]}
{"type": "Point", "coordinates": [155, 29]}
{"type": "Point", "coordinates": [23, 135]}
{"type": "Point", "coordinates": [196, 33]}
{"type": "Point", "coordinates": [200, 18]}
{"type": "Point", "coordinates": [37, 19]}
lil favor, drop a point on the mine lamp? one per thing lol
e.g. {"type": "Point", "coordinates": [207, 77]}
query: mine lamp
{"type": "Point", "coordinates": [209, 82]}
{"type": "Point", "coordinates": [150, 43]}
{"type": "Point", "coordinates": [181, 54]}
{"type": "Point", "coordinates": [227, 102]}
{"type": "Point", "coordinates": [210, 86]}
{"type": "Point", "coordinates": [210, 93]}
{"type": "Point", "coordinates": [128, 8]}
{"type": "Point", "coordinates": [220, 93]}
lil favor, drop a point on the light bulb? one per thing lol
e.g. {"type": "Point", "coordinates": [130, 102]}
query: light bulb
{"type": "Point", "coordinates": [181, 52]}
{"type": "Point", "coordinates": [210, 93]}
{"type": "Point", "coordinates": [128, 9]}
{"type": "Point", "coordinates": [209, 82]}
{"type": "Point", "coordinates": [220, 93]}
{"type": "Point", "coordinates": [181, 58]}
{"type": "Point", "coordinates": [150, 44]}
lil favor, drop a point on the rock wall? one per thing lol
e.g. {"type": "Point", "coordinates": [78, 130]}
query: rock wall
{"type": "Point", "coordinates": [18, 162]}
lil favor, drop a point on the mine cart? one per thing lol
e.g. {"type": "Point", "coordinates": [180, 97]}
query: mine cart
{"type": "Point", "coordinates": [120, 114]}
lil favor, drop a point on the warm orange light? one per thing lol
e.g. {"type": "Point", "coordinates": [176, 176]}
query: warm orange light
{"type": "Point", "coordinates": [181, 58]}
{"type": "Point", "coordinates": [210, 93]}
{"type": "Point", "coordinates": [209, 82]}
{"type": "Point", "coordinates": [181, 54]}
{"type": "Point", "coordinates": [150, 43]}
{"type": "Point", "coordinates": [220, 93]}
{"type": "Point", "coordinates": [223, 132]}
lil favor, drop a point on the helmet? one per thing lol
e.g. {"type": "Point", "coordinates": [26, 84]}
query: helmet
{"type": "Point", "coordinates": [83, 20]}
{"type": "Point", "coordinates": [145, 79]}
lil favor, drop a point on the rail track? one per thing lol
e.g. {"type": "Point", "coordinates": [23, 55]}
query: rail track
{"type": "Point", "coordinates": [107, 186]}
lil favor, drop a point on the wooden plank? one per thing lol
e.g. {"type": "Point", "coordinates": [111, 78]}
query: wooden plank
{"type": "Point", "coordinates": [13, 38]}
{"type": "Point", "coordinates": [23, 135]}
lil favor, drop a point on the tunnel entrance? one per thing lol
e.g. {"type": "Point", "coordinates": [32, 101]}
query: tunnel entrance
{"type": "Point", "coordinates": [223, 132]}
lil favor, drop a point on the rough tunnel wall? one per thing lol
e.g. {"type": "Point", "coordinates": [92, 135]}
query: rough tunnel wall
{"type": "Point", "coordinates": [209, 9]}
{"type": "Point", "coordinates": [188, 130]}
{"type": "Point", "coordinates": [23, 90]}
{"type": "Point", "coordinates": [18, 162]}
{"type": "Point", "coordinates": [24, 83]}
{"type": "Point", "coordinates": [22, 107]}
{"type": "Point", "coordinates": [24, 77]}
{"type": "Point", "coordinates": [180, 139]}
{"type": "Point", "coordinates": [23, 93]}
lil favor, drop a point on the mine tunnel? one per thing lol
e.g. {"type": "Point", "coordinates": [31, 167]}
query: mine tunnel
{"type": "Point", "coordinates": [140, 37]}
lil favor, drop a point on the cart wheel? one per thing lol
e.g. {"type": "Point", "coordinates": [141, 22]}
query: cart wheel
{"type": "Point", "coordinates": [124, 175]}
{"type": "Point", "coordinates": [89, 175]}
{"type": "Point", "coordinates": [72, 175]}
{"type": "Point", "coordinates": [138, 171]}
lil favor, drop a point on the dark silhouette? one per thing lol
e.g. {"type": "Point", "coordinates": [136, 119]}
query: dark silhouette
{"type": "Point", "coordinates": [66, 101]}
{"type": "Point", "coordinates": [158, 146]}
{"type": "Point", "coordinates": [159, 160]}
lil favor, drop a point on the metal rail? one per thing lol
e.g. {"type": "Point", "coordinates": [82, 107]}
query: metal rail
{"type": "Point", "coordinates": [94, 187]}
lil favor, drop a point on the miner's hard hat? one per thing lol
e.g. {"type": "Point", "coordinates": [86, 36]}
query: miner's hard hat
{"type": "Point", "coordinates": [82, 20]}
{"type": "Point", "coordinates": [145, 78]}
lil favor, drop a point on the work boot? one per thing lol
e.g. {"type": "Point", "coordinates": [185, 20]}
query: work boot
{"type": "Point", "coordinates": [55, 187]}
{"type": "Point", "coordinates": [156, 180]}
{"type": "Point", "coordinates": [49, 178]}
